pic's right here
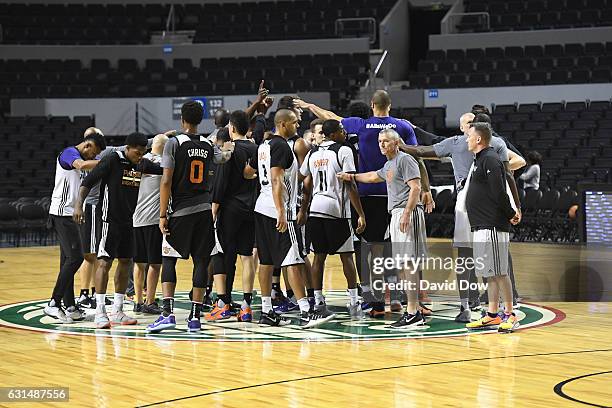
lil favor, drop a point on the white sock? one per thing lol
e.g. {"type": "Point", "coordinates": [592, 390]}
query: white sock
{"type": "Point", "coordinates": [101, 303]}
{"type": "Point", "coordinates": [465, 304]}
{"type": "Point", "coordinates": [353, 296]}
{"type": "Point", "coordinates": [319, 298]}
{"type": "Point", "coordinates": [304, 305]}
{"type": "Point", "coordinates": [365, 288]}
{"type": "Point", "coordinates": [118, 302]}
{"type": "Point", "coordinates": [220, 303]}
{"type": "Point", "coordinates": [266, 304]}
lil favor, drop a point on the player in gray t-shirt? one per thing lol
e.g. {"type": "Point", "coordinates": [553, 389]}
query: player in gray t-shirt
{"type": "Point", "coordinates": [407, 228]}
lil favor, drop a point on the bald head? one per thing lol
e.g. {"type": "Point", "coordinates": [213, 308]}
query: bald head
{"type": "Point", "coordinates": [283, 115]}
{"type": "Point", "coordinates": [381, 101]}
{"type": "Point", "coordinates": [159, 141]}
{"type": "Point", "coordinates": [465, 120]}
{"type": "Point", "coordinates": [91, 130]}
{"type": "Point", "coordinates": [285, 122]}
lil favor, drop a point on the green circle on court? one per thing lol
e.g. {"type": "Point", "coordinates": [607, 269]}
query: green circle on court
{"type": "Point", "coordinates": [30, 316]}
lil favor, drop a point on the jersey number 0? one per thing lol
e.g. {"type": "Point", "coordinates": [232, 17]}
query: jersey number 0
{"type": "Point", "coordinates": [196, 172]}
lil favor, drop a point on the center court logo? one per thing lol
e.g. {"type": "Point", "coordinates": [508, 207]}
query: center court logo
{"type": "Point", "coordinates": [30, 316]}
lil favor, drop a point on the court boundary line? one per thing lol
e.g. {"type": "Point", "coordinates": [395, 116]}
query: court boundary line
{"type": "Point", "coordinates": [558, 389]}
{"type": "Point", "coordinates": [367, 371]}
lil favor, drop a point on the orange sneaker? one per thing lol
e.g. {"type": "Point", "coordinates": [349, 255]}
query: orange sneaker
{"type": "Point", "coordinates": [245, 315]}
{"type": "Point", "coordinates": [218, 313]}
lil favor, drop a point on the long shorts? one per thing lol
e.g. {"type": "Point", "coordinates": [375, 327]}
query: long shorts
{"type": "Point", "coordinates": [491, 252]}
{"type": "Point", "coordinates": [276, 248]}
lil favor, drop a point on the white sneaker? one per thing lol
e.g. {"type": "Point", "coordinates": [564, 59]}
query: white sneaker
{"type": "Point", "coordinates": [58, 313]}
{"type": "Point", "coordinates": [75, 313]}
{"type": "Point", "coordinates": [101, 321]}
{"type": "Point", "coordinates": [121, 319]}
{"type": "Point", "coordinates": [355, 311]}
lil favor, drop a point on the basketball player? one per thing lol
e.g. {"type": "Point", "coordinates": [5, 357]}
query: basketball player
{"type": "Point", "coordinates": [300, 148]}
{"type": "Point", "coordinates": [490, 214]}
{"type": "Point", "coordinates": [185, 213]}
{"type": "Point", "coordinates": [234, 203]}
{"type": "Point", "coordinates": [329, 212]}
{"type": "Point", "coordinates": [69, 165]}
{"type": "Point", "coordinates": [119, 175]}
{"type": "Point", "coordinates": [373, 197]}
{"type": "Point", "coordinates": [408, 235]}
{"type": "Point", "coordinates": [89, 230]}
{"type": "Point", "coordinates": [279, 241]}
{"type": "Point", "coordinates": [147, 236]}
{"type": "Point", "coordinates": [456, 148]}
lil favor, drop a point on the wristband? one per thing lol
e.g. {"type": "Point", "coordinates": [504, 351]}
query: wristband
{"type": "Point", "coordinates": [163, 216]}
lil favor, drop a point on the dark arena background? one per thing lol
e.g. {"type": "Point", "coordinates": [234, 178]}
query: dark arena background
{"type": "Point", "coordinates": [540, 70]}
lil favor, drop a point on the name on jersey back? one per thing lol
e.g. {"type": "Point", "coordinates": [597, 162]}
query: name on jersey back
{"type": "Point", "coordinates": [197, 152]}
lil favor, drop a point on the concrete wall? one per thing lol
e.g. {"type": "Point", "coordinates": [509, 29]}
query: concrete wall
{"type": "Point", "coordinates": [395, 37]}
{"type": "Point", "coordinates": [519, 38]}
{"type": "Point", "coordinates": [460, 100]}
{"type": "Point", "coordinates": [193, 51]}
{"type": "Point", "coordinates": [117, 115]}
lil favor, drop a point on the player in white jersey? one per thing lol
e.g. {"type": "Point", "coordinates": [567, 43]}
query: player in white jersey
{"type": "Point", "coordinates": [277, 234]}
{"type": "Point", "coordinates": [69, 165]}
{"type": "Point", "coordinates": [329, 211]}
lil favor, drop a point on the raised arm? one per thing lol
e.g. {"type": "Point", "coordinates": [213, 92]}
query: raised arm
{"type": "Point", "coordinates": [316, 110]}
{"type": "Point", "coordinates": [426, 152]}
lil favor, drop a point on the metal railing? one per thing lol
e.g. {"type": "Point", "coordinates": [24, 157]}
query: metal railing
{"type": "Point", "coordinates": [450, 21]}
{"type": "Point", "coordinates": [170, 21]}
{"type": "Point", "coordinates": [374, 73]}
{"type": "Point", "coordinates": [342, 23]}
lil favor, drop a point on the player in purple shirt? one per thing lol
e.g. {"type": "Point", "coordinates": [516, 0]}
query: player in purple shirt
{"type": "Point", "coordinates": [374, 196]}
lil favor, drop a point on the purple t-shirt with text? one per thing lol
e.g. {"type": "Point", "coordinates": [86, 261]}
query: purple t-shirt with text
{"type": "Point", "coordinates": [370, 157]}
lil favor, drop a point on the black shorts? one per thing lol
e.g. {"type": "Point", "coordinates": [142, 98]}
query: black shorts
{"type": "Point", "coordinates": [330, 235]}
{"type": "Point", "coordinates": [148, 245]}
{"type": "Point", "coordinates": [275, 248]}
{"type": "Point", "coordinates": [116, 241]}
{"type": "Point", "coordinates": [377, 218]}
{"type": "Point", "coordinates": [89, 230]}
{"type": "Point", "coordinates": [191, 234]}
{"type": "Point", "coordinates": [236, 230]}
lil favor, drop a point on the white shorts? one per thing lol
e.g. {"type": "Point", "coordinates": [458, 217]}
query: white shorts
{"type": "Point", "coordinates": [413, 242]}
{"type": "Point", "coordinates": [463, 230]}
{"type": "Point", "coordinates": [491, 252]}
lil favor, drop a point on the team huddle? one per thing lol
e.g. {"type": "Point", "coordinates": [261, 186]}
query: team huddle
{"type": "Point", "coordinates": [271, 197]}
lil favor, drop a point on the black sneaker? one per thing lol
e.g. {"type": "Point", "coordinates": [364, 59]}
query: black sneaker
{"type": "Point", "coordinates": [207, 304]}
{"type": "Point", "coordinates": [408, 321]}
{"type": "Point", "coordinates": [474, 304]}
{"type": "Point", "coordinates": [107, 301]}
{"type": "Point", "coordinates": [138, 307]}
{"type": "Point", "coordinates": [86, 302]}
{"type": "Point", "coordinates": [313, 318]}
{"type": "Point", "coordinates": [272, 319]}
{"type": "Point", "coordinates": [153, 309]}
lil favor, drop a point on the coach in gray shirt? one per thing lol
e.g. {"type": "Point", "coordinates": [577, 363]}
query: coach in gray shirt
{"type": "Point", "coordinates": [407, 228]}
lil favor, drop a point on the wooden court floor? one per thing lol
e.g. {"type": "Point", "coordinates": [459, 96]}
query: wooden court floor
{"type": "Point", "coordinates": [567, 363]}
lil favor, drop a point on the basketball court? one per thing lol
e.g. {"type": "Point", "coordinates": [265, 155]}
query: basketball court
{"type": "Point", "coordinates": [561, 355]}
